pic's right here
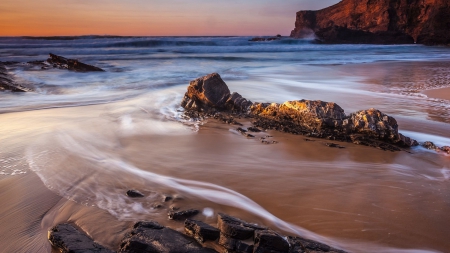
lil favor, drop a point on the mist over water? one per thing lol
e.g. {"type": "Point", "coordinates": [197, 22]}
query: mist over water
{"type": "Point", "coordinates": [90, 137]}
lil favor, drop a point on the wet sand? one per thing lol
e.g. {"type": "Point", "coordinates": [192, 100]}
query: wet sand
{"type": "Point", "coordinates": [443, 93]}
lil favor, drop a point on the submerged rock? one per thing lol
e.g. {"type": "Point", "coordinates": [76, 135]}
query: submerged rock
{"type": "Point", "coordinates": [134, 194]}
{"type": "Point", "coordinates": [151, 237]}
{"type": "Point", "coordinates": [67, 239]}
{"type": "Point", "coordinates": [71, 64]}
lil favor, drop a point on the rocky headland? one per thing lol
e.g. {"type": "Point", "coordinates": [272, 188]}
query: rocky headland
{"type": "Point", "coordinates": [378, 22]}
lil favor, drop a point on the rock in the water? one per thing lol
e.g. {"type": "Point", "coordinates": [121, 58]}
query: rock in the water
{"type": "Point", "coordinates": [71, 64]}
{"type": "Point", "coordinates": [201, 231]}
{"type": "Point", "coordinates": [300, 245]}
{"type": "Point", "coordinates": [375, 124]}
{"type": "Point", "coordinates": [236, 228]}
{"type": "Point", "coordinates": [166, 198]}
{"type": "Point", "coordinates": [67, 239]}
{"type": "Point", "coordinates": [209, 96]}
{"type": "Point", "coordinates": [7, 81]}
{"type": "Point", "coordinates": [429, 145]}
{"type": "Point", "coordinates": [134, 194]}
{"type": "Point", "coordinates": [208, 92]}
{"type": "Point", "coordinates": [270, 241]}
{"type": "Point", "coordinates": [235, 245]}
{"type": "Point", "coordinates": [151, 237]}
{"type": "Point", "coordinates": [446, 149]}
{"type": "Point", "coordinates": [181, 215]}
{"type": "Point", "coordinates": [378, 22]}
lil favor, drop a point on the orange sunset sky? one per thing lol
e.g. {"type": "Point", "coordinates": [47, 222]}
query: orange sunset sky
{"type": "Point", "coordinates": [151, 17]}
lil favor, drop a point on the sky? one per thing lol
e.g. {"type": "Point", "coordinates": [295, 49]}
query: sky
{"type": "Point", "coordinates": [152, 17]}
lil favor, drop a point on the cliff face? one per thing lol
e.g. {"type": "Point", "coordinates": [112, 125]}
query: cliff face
{"type": "Point", "coordinates": [378, 21]}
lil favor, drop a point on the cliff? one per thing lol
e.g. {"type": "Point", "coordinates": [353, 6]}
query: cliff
{"type": "Point", "coordinates": [378, 22]}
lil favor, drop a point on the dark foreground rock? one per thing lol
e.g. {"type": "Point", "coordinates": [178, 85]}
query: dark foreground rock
{"type": "Point", "coordinates": [67, 239]}
{"type": "Point", "coordinates": [201, 231]}
{"type": "Point", "coordinates": [209, 96]}
{"type": "Point", "coordinates": [232, 235]}
{"type": "Point", "coordinates": [182, 215]}
{"type": "Point", "coordinates": [7, 81]}
{"type": "Point", "coordinates": [70, 64]}
{"type": "Point", "coordinates": [151, 237]}
{"type": "Point", "coordinates": [134, 194]}
{"type": "Point", "coordinates": [378, 22]}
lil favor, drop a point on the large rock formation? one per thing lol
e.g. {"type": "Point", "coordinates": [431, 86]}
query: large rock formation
{"type": "Point", "coordinates": [378, 22]}
{"type": "Point", "coordinates": [209, 95]}
{"type": "Point", "coordinates": [67, 239]}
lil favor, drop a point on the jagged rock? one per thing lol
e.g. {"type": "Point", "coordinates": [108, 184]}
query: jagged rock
{"type": "Point", "coordinates": [236, 228]}
{"type": "Point", "coordinates": [300, 245]}
{"type": "Point", "coordinates": [254, 129]}
{"type": "Point", "coordinates": [67, 239]}
{"type": "Point", "coordinates": [312, 118]}
{"type": "Point", "coordinates": [166, 198]}
{"type": "Point", "coordinates": [237, 103]}
{"type": "Point", "coordinates": [446, 149]}
{"type": "Point", "coordinates": [206, 93]}
{"type": "Point", "coordinates": [235, 245]}
{"type": "Point", "coordinates": [181, 215]}
{"type": "Point", "coordinates": [300, 116]}
{"type": "Point", "coordinates": [134, 194]}
{"type": "Point", "coordinates": [429, 145]}
{"type": "Point", "coordinates": [378, 22]}
{"type": "Point", "coordinates": [7, 81]}
{"type": "Point", "coordinates": [201, 231]}
{"type": "Point", "coordinates": [270, 241]}
{"type": "Point", "coordinates": [151, 237]}
{"type": "Point", "coordinates": [71, 64]}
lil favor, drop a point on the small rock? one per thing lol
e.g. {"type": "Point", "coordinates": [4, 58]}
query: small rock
{"type": "Point", "coordinates": [446, 149]}
{"type": "Point", "coordinates": [334, 145]}
{"type": "Point", "coordinates": [254, 129]}
{"type": "Point", "coordinates": [174, 208]}
{"type": "Point", "coordinates": [241, 130]}
{"type": "Point", "coordinates": [235, 244]}
{"type": "Point", "coordinates": [270, 241]}
{"type": "Point", "coordinates": [67, 238]}
{"type": "Point", "coordinates": [181, 215]}
{"type": "Point", "coordinates": [306, 139]}
{"type": "Point", "coordinates": [134, 194]}
{"type": "Point", "coordinates": [166, 198]}
{"type": "Point", "coordinates": [429, 145]}
{"type": "Point", "coordinates": [157, 206]}
{"type": "Point", "coordinates": [201, 231]}
{"type": "Point", "coordinates": [236, 228]}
